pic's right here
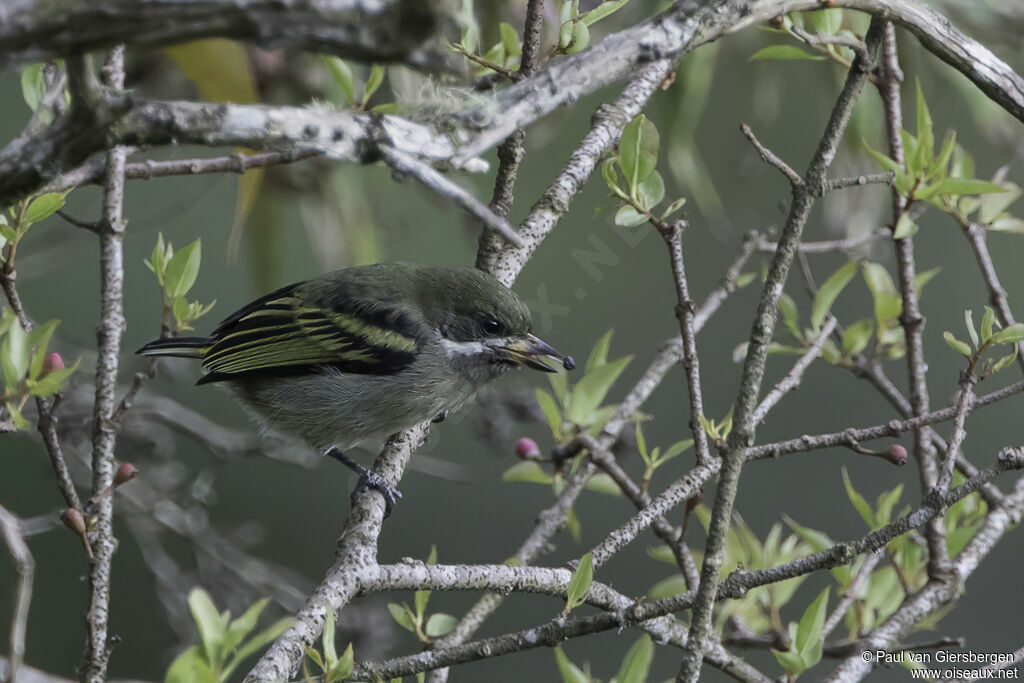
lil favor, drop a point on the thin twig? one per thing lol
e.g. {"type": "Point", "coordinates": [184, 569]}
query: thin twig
{"type": "Point", "coordinates": [769, 157]}
{"type": "Point", "coordinates": [828, 246]}
{"type": "Point", "coordinates": [911, 318]}
{"type": "Point", "coordinates": [871, 561]}
{"type": "Point", "coordinates": [439, 183]}
{"type": "Point", "coordinates": [104, 431]}
{"type": "Point", "coordinates": [685, 313]}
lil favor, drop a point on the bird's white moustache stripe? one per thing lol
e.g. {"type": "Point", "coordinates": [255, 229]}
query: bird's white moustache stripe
{"type": "Point", "coordinates": [463, 348]}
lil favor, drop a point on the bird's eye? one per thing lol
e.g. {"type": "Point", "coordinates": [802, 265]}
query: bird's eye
{"type": "Point", "coordinates": [491, 326]}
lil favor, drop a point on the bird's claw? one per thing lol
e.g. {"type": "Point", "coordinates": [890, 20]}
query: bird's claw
{"type": "Point", "coordinates": [371, 480]}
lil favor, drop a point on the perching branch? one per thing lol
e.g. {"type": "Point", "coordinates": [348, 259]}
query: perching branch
{"type": "Point", "coordinates": [104, 432]}
{"type": "Point", "coordinates": [25, 566]}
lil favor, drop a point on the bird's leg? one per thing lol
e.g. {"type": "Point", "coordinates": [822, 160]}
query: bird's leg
{"type": "Point", "coordinates": [368, 479]}
{"type": "Point", "coordinates": [441, 417]}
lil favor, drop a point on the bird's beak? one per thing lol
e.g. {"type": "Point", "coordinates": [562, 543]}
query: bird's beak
{"type": "Point", "coordinates": [529, 350]}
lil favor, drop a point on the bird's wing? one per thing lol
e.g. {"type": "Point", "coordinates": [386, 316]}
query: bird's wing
{"type": "Point", "coordinates": [293, 331]}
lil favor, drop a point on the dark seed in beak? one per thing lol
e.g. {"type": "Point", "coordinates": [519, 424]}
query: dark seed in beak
{"type": "Point", "coordinates": [569, 363]}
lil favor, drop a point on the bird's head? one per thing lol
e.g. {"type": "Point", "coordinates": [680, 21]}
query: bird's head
{"type": "Point", "coordinates": [484, 326]}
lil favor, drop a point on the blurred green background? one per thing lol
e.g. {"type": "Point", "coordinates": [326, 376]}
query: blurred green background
{"type": "Point", "coordinates": [317, 216]}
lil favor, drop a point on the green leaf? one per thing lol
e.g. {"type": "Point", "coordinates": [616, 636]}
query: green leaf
{"type": "Point", "coordinates": [263, 638]}
{"type": "Point", "coordinates": [601, 11]}
{"type": "Point", "coordinates": [882, 160]}
{"type": "Point", "coordinates": [1011, 335]}
{"type": "Point", "coordinates": [602, 483]}
{"type": "Point", "coordinates": [957, 345]}
{"type": "Point", "coordinates": [808, 632]}
{"type": "Point", "coordinates": [343, 667]}
{"type": "Point", "coordinates": [190, 667]}
{"type": "Point", "coordinates": [211, 625]}
{"type": "Point", "coordinates": [373, 82]}
{"type": "Point", "coordinates": [589, 392]}
{"type": "Point", "coordinates": [905, 227]}
{"type": "Point", "coordinates": [992, 205]}
{"type": "Point", "coordinates": [580, 38]}
{"type": "Point", "coordinates": [341, 74]}
{"type": "Point", "coordinates": [961, 186]}
{"type": "Point", "coordinates": [550, 409]}
{"type": "Point", "coordinates": [43, 206]}
{"type": "Point", "coordinates": [784, 52]}
{"type": "Point", "coordinates": [859, 503]}
{"type": "Point", "coordinates": [182, 270]}
{"type": "Point", "coordinates": [39, 340]}
{"type": "Point", "coordinates": [241, 627]}
{"type": "Point", "coordinates": [528, 471]}
{"type": "Point", "coordinates": [680, 203]}
{"type": "Point", "coordinates": [580, 582]}
{"type": "Point", "coordinates": [611, 178]}
{"type": "Point", "coordinates": [569, 672]}
{"type": "Point", "coordinates": [829, 291]}
{"type": "Point", "coordinates": [924, 277]}
{"type": "Point", "coordinates": [439, 624]}
{"type": "Point", "coordinates": [638, 150]}
{"type": "Point", "coordinates": [510, 39]}
{"type": "Point", "coordinates": [666, 588]}
{"type": "Point", "coordinates": [599, 354]}
{"type": "Point", "coordinates": [791, 662]}
{"type": "Point", "coordinates": [33, 87]}
{"type": "Point", "coordinates": [637, 663]}
{"type": "Point", "coordinates": [827, 22]}
{"type": "Point", "coordinates": [969, 324]}
{"type": "Point", "coordinates": [400, 613]}
{"type": "Point", "coordinates": [787, 308]}
{"type": "Point", "coordinates": [14, 355]}
{"type": "Point", "coordinates": [628, 217]}
{"type": "Point", "coordinates": [925, 135]}
{"type": "Point", "coordinates": [857, 336]}
{"type": "Point", "coordinates": [988, 322]}
{"type": "Point", "coordinates": [53, 382]}
{"type": "Point", "coordinates": [651, 191]}
{"type": "Point", "coordinates": [1005, 361]}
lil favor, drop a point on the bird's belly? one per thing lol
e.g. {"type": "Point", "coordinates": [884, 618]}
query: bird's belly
{"type": "Point", "coordinates": [341, 409]}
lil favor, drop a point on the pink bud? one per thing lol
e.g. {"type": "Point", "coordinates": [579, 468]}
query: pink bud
{"type": "Point", "coordinates": [73, 520]}
{"type": "Point", "coordinates": [896, 454]}
{"type": "Point", "coordinates": [527, 448]}
{"type": "Point", "coordinates": [125, 473]}
{"type": "Point", "coordinates": [51, 363]}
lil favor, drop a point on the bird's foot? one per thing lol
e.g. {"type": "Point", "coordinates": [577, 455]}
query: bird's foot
{"type": "Point", "coordinates": [441, 417]}
{"type": "Point", "coordinates": [368, 479]}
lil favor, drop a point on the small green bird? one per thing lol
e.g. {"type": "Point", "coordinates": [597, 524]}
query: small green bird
{"type": "Point", "coordinates": [367, 351]}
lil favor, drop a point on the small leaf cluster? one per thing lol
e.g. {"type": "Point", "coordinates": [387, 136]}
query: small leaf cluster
{"type": "Point", "coordinates": [22, 361]}
{"type": "Point", "coordinates": [415, 620]}
{"type": "Point", "coordinates": [884, 327]}
{"type": "Point", "coordinates": [574, 27]}
{"type": "Point", "coordinates": [333, 667]}
{"type": "Point", "coordinates": [632, 175]}
{"type": "Point", "coordinates": [176, 272]}
{"type": "Point", "coordinates": [655, 458]}
{"type": "Point", "coordinates": [718, 431]}
{"type": "Point", "coordinates": [504, 55]}
{"type": "Point", "coordinates": [580, 409]}
{"type": "Point", "coordinates": [941, 179]}
{"type": "Point", "coordinates": [345, 85]}
{"type": "Point", "coordinates": [825, 23]}
{"type": "Point", "coordinates": [635, 667]}
{"type": "Point", "coordinates": [988, 337]}
{"type": "Point", "coordinates": [759, 608]}
{"type": "Point", "coordinates": [224, 644]}
{"type": "Point", "coordinates": [23, 215]}
{"type": "Point", "coordinates": [805, 639]}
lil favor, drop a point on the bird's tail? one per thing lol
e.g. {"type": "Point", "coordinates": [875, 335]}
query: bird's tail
{"type": "Point", "coordinates": [182, 347]}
